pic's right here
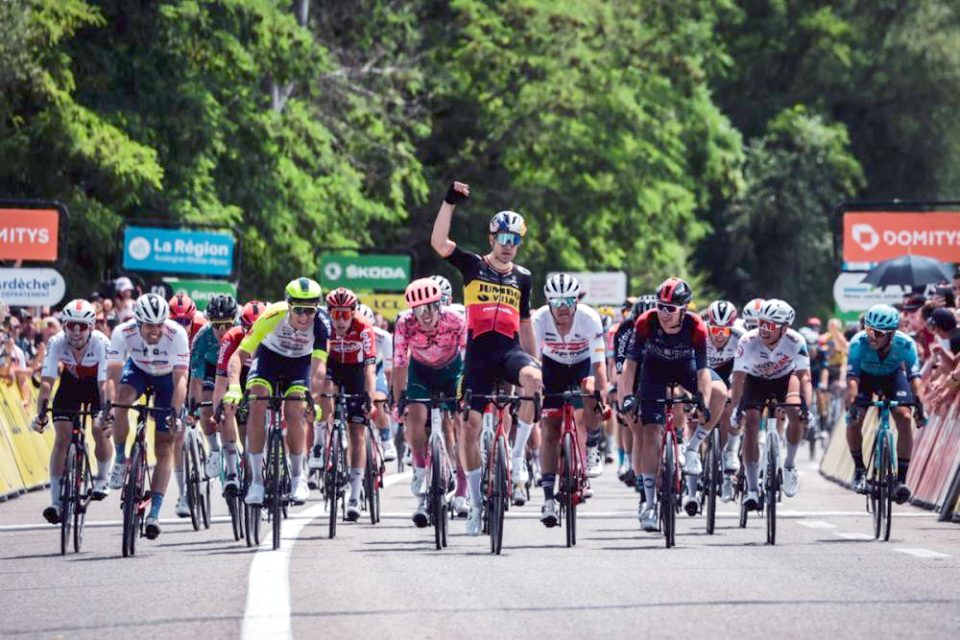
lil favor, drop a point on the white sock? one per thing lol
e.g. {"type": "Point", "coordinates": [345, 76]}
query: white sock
{"type": "Point", "coordinates": [356, 480]}
{"type": "Point", "coordinates": [791, 461]}
{"type": "Point", "coordinates": [256, 467]}
{"type": "Point", "coordinates": [523, 434]}
{"type": "Point", "coordinates": [296, 464]}
{"type": "Point", "coordinates": [753, 475]}
{"type": "Point", "coordinates": [230, 451]}
{"type": "Point", "coordinates": [473, 484]}
{"type": "Point", "coordinates": [103, 468]}
{"type": "Point", "coordinates": [733, 443]}
{"type": "Point", "coordinates": [213, 442]}
{"type": "Point", "coordinates": [319, 435]}
{"type": "Point", "coordinates": [650, 488]}
{"type": "Point", "coordinates": [698, 437]}
{"type": "Point", "coordinates": [180, 480]}
{"type": "Point", "coordinates": [55, 488]}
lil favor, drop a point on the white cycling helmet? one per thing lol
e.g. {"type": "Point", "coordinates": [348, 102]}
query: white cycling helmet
{"type": "Point", "coordinates": [78, 311]}
{"type": "Point", "coordinates": [721, 313]}
{"type": "Point", "coordinates": [446, 289]}
{"type": "Point", "coordinates": [751, 313]}
{"type": "Point", "coordinates": [508, 221]}
{"type": "Point", "coordinates": [151, 308]}
{"type": "Point", "coordinates": [561, 285]}
{"type": "Point", "coordinates": [366, 312]}
{"type": "Point", "coordinates": [777, 311]}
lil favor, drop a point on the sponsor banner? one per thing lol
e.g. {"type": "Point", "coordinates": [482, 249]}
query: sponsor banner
{"type": "Point", "coordinates": [602, 288]}
{"type": "Point", "coordinates": [853, 296]}
{"type": "Point", "coordinates": [178, 251]}
{"type": "Point", "coordinates": [873, 236]}
{"type": "Point", "coordinates": [201, 291]}
{"type": "Point", "coordinates": [367, 272]}
{"type": "Point", "coordinates": [31, 287]}
{"type": "Point", "coordinates": [389, 305]}
{"type": "Point", "coordinates": [29, 234]}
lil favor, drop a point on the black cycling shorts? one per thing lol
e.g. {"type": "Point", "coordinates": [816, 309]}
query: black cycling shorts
{"type": "Point", "coordinates": [491, 358]}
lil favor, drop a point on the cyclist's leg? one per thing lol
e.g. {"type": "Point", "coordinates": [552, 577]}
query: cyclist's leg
{"type": "Point", "coordinates": [479, 377]}
{"type": "Point", "coordinates": [550, 429]}
{"type": "Point", "coordinates": [649, 434]}
{"type": "Point", "coordinates": [382, 421]}
{"type": "Point", "coordinates": [754, 392]}
{"type": "Point", "coordinates": [865, 389]}
{"type": "Point", "coordinates": [418, 387]}
{"type": "Point", "coordinates": [795, 432]}
{"type": "Point", "coordinates": [522, 369]}
{"type": "Point", "coordinates": [163, 441]}
{"type": "Point", "coordinates": [207, 423]}
{"type": "Point", "coordinates": [899, 389]}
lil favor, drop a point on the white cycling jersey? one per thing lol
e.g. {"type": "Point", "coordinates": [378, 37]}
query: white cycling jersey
{"type": "Point", "coordinates": [583, 341]}
{"type": "Point", "coordinates": [720, 357]}
{"type": "Point", "coordinates": [92, 363]}
{"type": "Point", "coordinates": [384, 349]}
{"type": "Point", "coordinates": [789, 354]}
{"type": "Point", "coordinates": [171, 352]}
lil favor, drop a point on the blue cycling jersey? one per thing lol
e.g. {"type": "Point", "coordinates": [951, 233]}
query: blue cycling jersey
{"type": "Point", "coordinates": [864, 360]}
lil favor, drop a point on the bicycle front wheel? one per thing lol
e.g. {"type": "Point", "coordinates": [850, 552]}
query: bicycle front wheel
{"type": "Point", "coordinates": [132, 494]}
{"type": "Point", "coordinates": [499, 495]}
{"type": "Point", "coordinates": [438, 508]}
{"type": "Point", "coordinates": [191, 473]}
{"type": "Point", "coordinates": [274, 471]}
{"type": "Point", "coordinates": [771, 487]}
{"type": "Point", "coordinates": [568, 503]}
{"type": "Point", "coordinates": [372, 479]}
{"type": "Point", "coordinates": [68, 486]}
{"type": "Point", "coordinates": [81, 499]}
{"type": "Point", "coordinates": [203, 486]}
{"type": "Point", "coordinates": [668, 490]}
{"type": "Point", "coordinates": [332, 479]}
{"type": "Point", "coordinates": [888, 484]}
{"type": "Point", "coordinates": [712, 475]}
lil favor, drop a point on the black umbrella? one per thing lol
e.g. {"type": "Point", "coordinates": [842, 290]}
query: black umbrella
{"type": "Point", "coordinates": [909, 271]}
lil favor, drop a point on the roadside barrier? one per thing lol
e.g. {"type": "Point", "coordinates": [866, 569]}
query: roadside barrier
{"type": "Point", "coordinates": [934, 476]}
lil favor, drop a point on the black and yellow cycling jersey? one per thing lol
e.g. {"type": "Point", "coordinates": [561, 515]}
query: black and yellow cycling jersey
{"type": "Point", "coordinates": [496, 301]}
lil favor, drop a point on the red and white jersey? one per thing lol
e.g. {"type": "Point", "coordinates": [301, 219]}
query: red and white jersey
{"type": "Point", "coordinates": [583, 341]}
{"type": "Point", "coordinates": [789, 354]}
{"type": "Point", "coordinates": [357, 346]}
{"type": "Point", "coordinates": [90, 364]}
{"type": "Point", "coordinates": [171, 352]}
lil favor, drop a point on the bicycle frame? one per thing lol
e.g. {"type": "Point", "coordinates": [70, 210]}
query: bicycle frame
{"type": "Point", "coordinates": [439, 469]}
{"type": "Point", "coordinates": [882, 467]}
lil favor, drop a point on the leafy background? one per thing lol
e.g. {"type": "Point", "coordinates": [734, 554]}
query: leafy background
{"type": "Point", "coordinates": [706, 139]}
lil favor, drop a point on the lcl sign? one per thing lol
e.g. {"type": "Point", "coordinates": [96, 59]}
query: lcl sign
{"type": "Point", "coordinates": [872, 236]}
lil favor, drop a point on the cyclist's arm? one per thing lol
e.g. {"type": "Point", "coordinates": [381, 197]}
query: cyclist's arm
{"type": "Point", "coordinates": [46, 386]}
{"type": "Point", "coordinates": [399, 382]}
{"type": "Point", "coordinates": [806, 386]}
{"type": "Point", "coordinates": [370, 376]}
{"type": "Point", "coordinates": [195, 389]}
{"type": "Point", "coordinates": [179, 389]}
{"type": "Point", "coordinates": [318, 373]}
{"type": "Point", "coordinates": [628, 379]}
{"type": "Point", "coordinates": [528, 341]}
{"type": "Point", "coordinates": [736, 385]}
{"type": "Point", "coordinates": [440, 238]}
{"type": "Point", "coordinates": [239, 358]}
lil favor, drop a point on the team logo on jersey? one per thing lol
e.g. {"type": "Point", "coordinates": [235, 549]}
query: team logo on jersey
{"type": "Point", "coordinates": [480, 292]}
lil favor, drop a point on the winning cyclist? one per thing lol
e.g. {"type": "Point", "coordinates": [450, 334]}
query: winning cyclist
{"type": "Point", "coordinates": [883, 360]}
{"type": "Point", "coordinates": [353, 355]}
{"type": "Point", "coordinates": [427, 362]}
{"type": "Point", "coordinates": [771, 362]}
{"type": "Point", "coordinates": [149, 351]}
{"type": "Point", "coordinates": [289, 347]}
{"type": "Point", "coordinates": [670, 346]}
{"type": "Point", "coordinates": [83, 353]}
{"type": "Point", "coordinates": [570, 337]}
{"type": "Point", "coordinates": [725, 335]}
{"type": "Point", "coordinates": [204, 351]}
{"type": "Point", "coordinates": [500, 338]}
{"type": "Point", "coordinates": [250, 313]}
{"type": "Point", "coordinates": [384, 366]}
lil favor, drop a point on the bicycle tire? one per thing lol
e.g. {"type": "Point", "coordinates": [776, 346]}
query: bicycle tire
{"type": "Point", "coordinates": [204, 482]}
{"type": "Point", "coordinates": [192, 482]}
{"type": "Point", "coordinates": [739, 493]}
{"type": "Point", "coordinates": [333, 479]}
{"type": "Point", "coordinates": [771, 488]}
{"type": "Point", "coordinates": [887, 486]}
{"type": "Point", "coordinates": [274, 484]}
{"type": "Point", "coordinates": [668, 491]}
{"type": "Point", "coordinates": [486, 452]}
{"type": "Point", "coordinates": [400, 444]}
{"type": "Point", "coordinates": [233, 508]}
{"type": "Point", "coordinates": [67, 488]}
{"type": "Point", "coordinates": [567, 503]}
{"type": "Point", "coordinates": [132, 493]}
{"type": "Point", "coordinates": [81, 499]}
{"type": "Point", "coordinates": [437, 492]}
{"type": "Point", "coordinates": [372, 479]}
{"type": "Point", "coordinates": [712, 479]}
{"type": "Point", "coordinates": [499, 497]}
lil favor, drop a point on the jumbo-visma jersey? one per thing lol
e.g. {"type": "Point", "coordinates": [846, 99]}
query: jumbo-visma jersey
{"type": "Point", "coordinates": [495, 301]}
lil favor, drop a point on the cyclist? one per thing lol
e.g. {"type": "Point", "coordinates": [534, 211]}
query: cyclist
{"type": "Point", "coordinates": [150, 350]}
{"type": "Point", "coordinates": [570, 337]}
{"type": "Point", "coordinates": [725, 335]}
{"type": "Point", "coordinates": [83, 352]}
{"type": "Point", "coordinates": [835, 349]}
{"type": "Point", "coordinates": [204, 352]}
{"type": "Point", "coordinates": [250, 313]}
{"type": "Point", "coordinates": [427, 362]}
{"type": "Point", "coordinates": [750, 317]}
{"type": "Point", "coordinates": [669, 345]}
{"type": "Point", "coordinates": [446, 295]}
{"type": "Point", "coordinates": [500, 338]}
{"type": "Point", "coordinates": [353, 354]}
{"type": "Point", "coordinates": [621, 344]}
{"type": "Point", "coordinates": [883, 360]}
{"type": "Point", "coordinates": [183, 311]}
{"type": "Point", "coordinates": [771, 362]}
{"type": "Point", "coordinates": [288, 343]}
{"type": "Point", "coordinates": [384, 365]}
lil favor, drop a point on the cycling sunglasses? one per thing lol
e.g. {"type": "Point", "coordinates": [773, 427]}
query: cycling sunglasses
{"type": "Point", "coordinates": [508, 239]}
{"type": "Point", "coordinates": [303, 311]}
{"type": "Point", "coordinates": [877, 333]}
{"type": "Point", "coordinates": [183, 322]}
{"type": "Point", "coordinates": [341, 314]}
{"type": "Point", "coordinates": [719, 331]}
{"type": "Point", "coordinates": [426, 309]}
{"type": "Point", "coordinates": [668, 308]}
{"type": "Point", "coordinates": [76, 326]}
{"type": "Point", "coordinates": [224, 325]}
{"type": "Point", "coordinates": [769, 325]}
{"type": "Point", "coordinates": [562, 302]}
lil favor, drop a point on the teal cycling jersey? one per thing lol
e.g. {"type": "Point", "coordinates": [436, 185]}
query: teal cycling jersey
{"type": "Point", "coordinates": [901, 353]}
{"type": "Point", "coordinates": [203, 351]}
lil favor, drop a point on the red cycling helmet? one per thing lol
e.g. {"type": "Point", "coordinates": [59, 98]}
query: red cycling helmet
{"type": "Point", "coordinates": [182, 307]}
{"type": "Point", "coordinates": [674, 291]}
{"type": "Point", "coordinates": [422, 291]}
{"type": "Point", "coordinates": [813, 322]}
{"type": "Point", "coordinates": [251, 311]}
{"type": "Point", "coordinates": [342, 298]}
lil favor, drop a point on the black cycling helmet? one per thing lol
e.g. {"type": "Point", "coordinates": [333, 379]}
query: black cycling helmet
{"type": "Point", "coordinates": [222, 307]}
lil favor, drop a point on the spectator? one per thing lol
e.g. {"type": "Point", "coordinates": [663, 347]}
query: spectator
{"type": "Point", "coordinates": [13, 362]}
{"type": "Point", "coordinates": [29, 342]}
{"type": "Point", "coordinates": [942, 297]}
{"type": "Point", "coordinates": [101, 324]}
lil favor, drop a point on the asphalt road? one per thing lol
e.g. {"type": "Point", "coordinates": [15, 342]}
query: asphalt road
{"type": "Point", "coordinates": [825, 577]}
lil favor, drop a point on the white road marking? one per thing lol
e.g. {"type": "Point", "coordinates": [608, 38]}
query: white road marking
{"type": "Point", "coordinates": [817, 524]}
{"type": "Point", "coordinates": [853, 536]}
{"type": "Point", "coordinates": [267, 613]}
{"type": "Point", "coordinates": [923, 553]}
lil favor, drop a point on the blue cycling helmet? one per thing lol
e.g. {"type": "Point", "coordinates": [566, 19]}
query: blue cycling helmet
{"type": "Point", "coordinates": [882, 317]}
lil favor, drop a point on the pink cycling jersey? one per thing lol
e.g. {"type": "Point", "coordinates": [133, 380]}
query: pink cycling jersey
{"type": "Point", "coordinates": [433, 349]}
